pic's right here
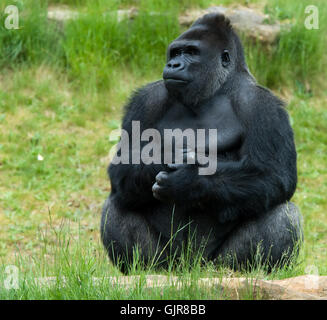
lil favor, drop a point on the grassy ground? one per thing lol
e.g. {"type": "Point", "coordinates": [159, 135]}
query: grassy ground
{"type": "Point", "coordinates": [61, 93]}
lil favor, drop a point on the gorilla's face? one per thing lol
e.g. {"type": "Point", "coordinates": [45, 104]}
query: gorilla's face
{"type": "Point", "coordinates": [198, 63]}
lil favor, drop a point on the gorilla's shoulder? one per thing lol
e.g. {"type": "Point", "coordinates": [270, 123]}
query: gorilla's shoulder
{"type": "Point", "coordinates": [146, 102]}
{"type": "Point", "coordinates": [266, 108]}
{"type": "Point", "coordinates": [255, 103]}
{"type": "Point", "coordinates": [266, 95]}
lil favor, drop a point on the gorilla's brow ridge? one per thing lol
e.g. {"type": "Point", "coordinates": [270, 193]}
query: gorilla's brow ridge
{"type": "Point", "coordinates": [183, 43]}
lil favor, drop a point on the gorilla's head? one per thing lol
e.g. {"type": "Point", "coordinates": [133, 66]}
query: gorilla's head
{"type": "Point", "coordinates": [202, 59]}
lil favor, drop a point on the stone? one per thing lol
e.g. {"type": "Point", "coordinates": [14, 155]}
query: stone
{"type": "Point", "coordinates": [297, 288]}
{"type": "Point", "coordinates": [127, 14]}
{"type": "Point", "coordinates": [61, 14]}
{"type": "Point", "coordinates": [308, 284]}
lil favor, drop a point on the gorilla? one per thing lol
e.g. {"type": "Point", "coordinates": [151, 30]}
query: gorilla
{"type": "Point", "coordinates": [241, 210]}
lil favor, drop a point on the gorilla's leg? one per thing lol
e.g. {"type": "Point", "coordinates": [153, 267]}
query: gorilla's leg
{"type": "Point", "coordinates": [269, 240]}
{"type": "Point", "coordinates": [126, 234]}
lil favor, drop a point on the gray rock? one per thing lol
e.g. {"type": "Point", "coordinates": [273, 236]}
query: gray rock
{"type": "Point", "coordinates": [61, 14]}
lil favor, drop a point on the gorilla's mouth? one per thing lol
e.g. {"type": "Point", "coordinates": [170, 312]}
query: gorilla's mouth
{"type": "Point", "coordinates": [175, 81]}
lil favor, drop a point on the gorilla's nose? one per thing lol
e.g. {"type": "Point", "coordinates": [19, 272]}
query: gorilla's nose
{"type": "Point", "coordinates": [174, 70]}
{"type": "Point", "coordinates": [176, 66]}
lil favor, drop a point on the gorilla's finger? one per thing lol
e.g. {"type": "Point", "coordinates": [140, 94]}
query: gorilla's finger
{"type": "Point", "coordinates": [161, 177]}
{"type": "Point", "coordinates": [175, 166]}
{"type": "Point", "coordinates": [159, 192]}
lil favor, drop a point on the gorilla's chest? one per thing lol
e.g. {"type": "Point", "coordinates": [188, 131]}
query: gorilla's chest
{"type": "Point", "coordinates": [216, 114]}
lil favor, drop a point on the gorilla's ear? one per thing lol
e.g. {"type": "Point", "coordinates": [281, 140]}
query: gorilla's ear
{"type": "Point", "coordinates": [225, 58]}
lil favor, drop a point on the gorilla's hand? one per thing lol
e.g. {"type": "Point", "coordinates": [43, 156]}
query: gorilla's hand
{"type": "Point", "coordinates": [175, 186]}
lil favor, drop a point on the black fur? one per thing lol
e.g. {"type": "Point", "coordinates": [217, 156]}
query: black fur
{"type": "Point", "coordinates": [242, 205]}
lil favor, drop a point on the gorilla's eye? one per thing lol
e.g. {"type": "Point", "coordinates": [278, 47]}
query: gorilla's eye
{"type": "Point", "coordinates": [192, 50]}
{"type": "Point", "coordinates": [175, 52]}
{"type": "Point", "coordinates": [225, 58]}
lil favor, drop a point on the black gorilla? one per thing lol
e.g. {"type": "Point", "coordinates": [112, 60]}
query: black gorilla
{"type": "Point", "coordinates": [161, 208]}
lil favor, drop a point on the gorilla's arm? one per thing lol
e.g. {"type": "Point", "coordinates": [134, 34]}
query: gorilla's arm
{"type": "Point", "coordinates": [131, 183]}
{"type": "Point", "coordinates": [264, 177]}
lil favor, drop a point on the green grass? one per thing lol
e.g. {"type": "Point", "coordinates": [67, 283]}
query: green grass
{"type": "Point", "coordinates": [61, 94]}
{"type": "Point", "coordinates": [73, 266]}
{"type": "Point", "coordinates": [35, 40]}
{"type": "Point", "coordinates": [300, 55]}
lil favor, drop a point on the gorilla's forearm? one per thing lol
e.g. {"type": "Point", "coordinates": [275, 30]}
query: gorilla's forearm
{"type": "Point", "coordinates": [248, 187]}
